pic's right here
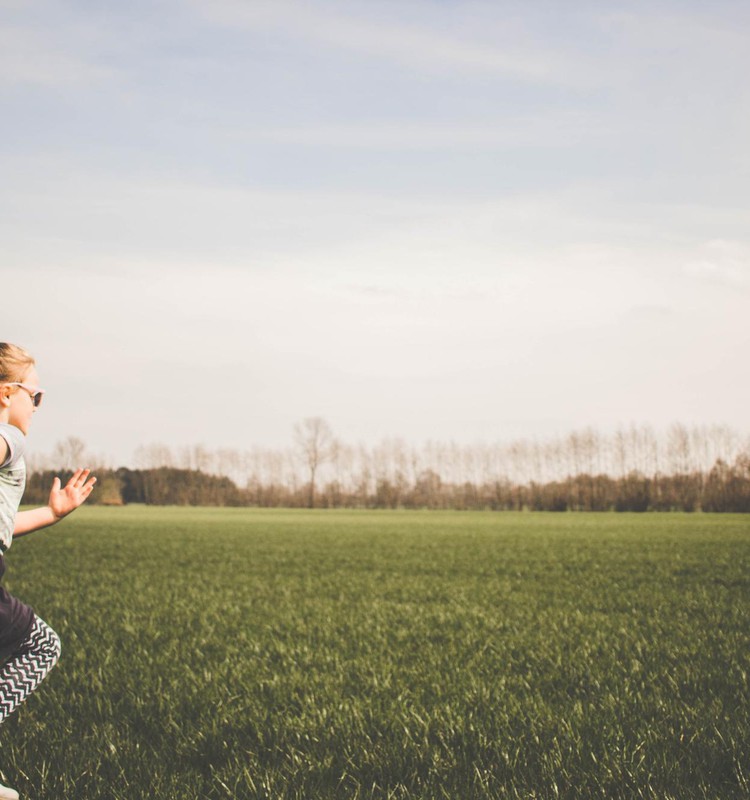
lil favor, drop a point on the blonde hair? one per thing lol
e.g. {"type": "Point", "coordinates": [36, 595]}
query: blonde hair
{"type": "Point", "coordinates": [15, 362]}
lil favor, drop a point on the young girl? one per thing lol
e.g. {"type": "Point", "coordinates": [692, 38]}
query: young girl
{"type": "Point", "coordinates": [29, 648]}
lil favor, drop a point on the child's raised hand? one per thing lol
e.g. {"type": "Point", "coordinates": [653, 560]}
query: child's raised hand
{"type": "Point", "coordinates": [64, 500]}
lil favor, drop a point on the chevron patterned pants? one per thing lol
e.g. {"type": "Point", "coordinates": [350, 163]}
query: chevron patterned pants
{"type": "Point", "coordinates": [27, 667]}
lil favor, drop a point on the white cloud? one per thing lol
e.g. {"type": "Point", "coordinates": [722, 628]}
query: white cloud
{"type": "Point", "coordinates": [34, 57]}
{"type": "Point", "coordinates": [723, 262]}
{"type": "Point", "coordinates": [696, 31]}
{"type": "Point", "coordinates": [354, 27]}
{"type": "Point", "coordinates": [561, 129]}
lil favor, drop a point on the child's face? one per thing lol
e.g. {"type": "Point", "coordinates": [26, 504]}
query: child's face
{"type": "Point", "coordinates": [21, 405]}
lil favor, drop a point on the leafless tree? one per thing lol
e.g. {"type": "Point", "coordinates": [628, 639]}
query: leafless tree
{"type": "Point", "coordinates": [69, 453]}
{"type": "Point", "coordinates": [632, 468]}
{"type": "Point", "coordinates": [678, 448]}
{"type": "Point", "coordinates": [153, 456]}
{"type": "Point", "coordinates": [316, 445]}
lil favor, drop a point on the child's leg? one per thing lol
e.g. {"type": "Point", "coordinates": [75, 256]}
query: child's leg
{"type": "Point", "coordinates": [27, 666]}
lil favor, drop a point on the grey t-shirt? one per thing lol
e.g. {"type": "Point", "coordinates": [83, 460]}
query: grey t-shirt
{"type": "Point", "coordinates": [12, 482]}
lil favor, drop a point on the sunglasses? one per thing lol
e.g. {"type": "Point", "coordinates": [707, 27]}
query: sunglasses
{"type": "Point", "coordinates": [34, 394]}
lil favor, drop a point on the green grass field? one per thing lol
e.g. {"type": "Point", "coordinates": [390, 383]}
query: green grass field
{"type": "Point", "coordinates": [235, 653]}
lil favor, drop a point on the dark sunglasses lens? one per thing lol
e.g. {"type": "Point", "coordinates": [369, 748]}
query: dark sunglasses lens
{"type": "Point", "coordinates": [37, 399]}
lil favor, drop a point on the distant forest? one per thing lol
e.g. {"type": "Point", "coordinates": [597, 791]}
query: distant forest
{"type": "Point", "coordinates": [634, 469]}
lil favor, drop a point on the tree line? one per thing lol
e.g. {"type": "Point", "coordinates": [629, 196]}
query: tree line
{"type": "Point", "coordinates": [633, 469]}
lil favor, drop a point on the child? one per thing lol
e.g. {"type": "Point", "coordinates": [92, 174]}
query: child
{"type": "Point", "coordinates": [29, 648]}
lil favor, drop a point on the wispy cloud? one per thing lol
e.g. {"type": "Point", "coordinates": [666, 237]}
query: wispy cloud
{"type": "Point", "coordinates": [354, 27]}
{"type": "Point", "coordinates": [726, 263]}
{"type": "Point", "coordinates": [548, 129]}
{"type": "Point", "coordinates": [33, 57]}
{"type": "Point", "coordinates": [647, 312]}
{"type": "Point", "coordinates": [688, 30]}
{"type": "Point", "coordinates": [377, 292]}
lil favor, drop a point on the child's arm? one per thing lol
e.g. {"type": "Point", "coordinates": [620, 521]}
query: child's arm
{"type": "Point", "coordinates": [61, 503]}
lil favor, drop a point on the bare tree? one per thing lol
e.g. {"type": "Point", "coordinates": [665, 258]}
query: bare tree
{"type": "Point", "coordinates": [154, 455]}
{"type": "Point", "coordinates": [314, 438]}
{"type": "Point", "coordinates": [197, 457]}
{"type": "Point", "coordinates": [678, 449]}
{"type": "Point", "coordinates": [68, 454]}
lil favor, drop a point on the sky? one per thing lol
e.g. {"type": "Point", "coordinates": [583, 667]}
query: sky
{"type": "Point", "coordinates": [431, 219]}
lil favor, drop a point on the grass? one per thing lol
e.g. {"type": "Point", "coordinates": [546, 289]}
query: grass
{"type": "Point", "coordinates": [235, 653]}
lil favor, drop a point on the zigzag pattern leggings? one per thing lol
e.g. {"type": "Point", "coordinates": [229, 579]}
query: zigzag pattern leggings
{"type": "Point", "coordinates": [28, 666]}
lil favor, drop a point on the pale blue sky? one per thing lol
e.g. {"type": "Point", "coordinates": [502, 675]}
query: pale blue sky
{"type": "Point", "coordinates": [446, 220]}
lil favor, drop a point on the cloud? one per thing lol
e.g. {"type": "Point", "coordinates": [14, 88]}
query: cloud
{"type": "Point", "coordinates": [561, 129]}
{"type": "Point", "coordinates": [691, 30]}
{"type": "Point", "coordinates": [647, 312]}
{"type": "Point", "coordinates": [377, 292]}
{"type": "Point", "coordinates": [32, 57]}
{"type": "Point", "coordinates": [357, 29]}
{"type": "Point", "coordinates": [726, 263]}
